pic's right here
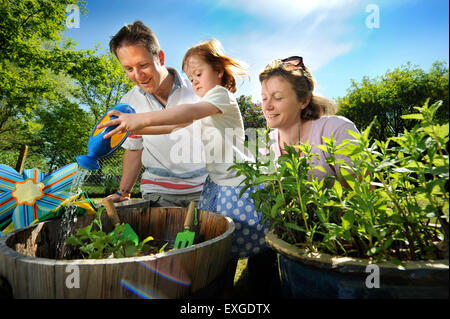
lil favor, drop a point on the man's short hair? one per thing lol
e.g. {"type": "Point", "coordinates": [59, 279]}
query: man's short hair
{"type": "Point", "coordinates": [135, 34]}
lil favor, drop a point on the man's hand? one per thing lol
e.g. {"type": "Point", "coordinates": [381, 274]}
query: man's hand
{"type": "Point", "coordinates": [117, 198]}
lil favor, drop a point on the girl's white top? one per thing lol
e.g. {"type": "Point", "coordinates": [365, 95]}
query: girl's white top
{"type": "Point", "coordinates": [223, 137]}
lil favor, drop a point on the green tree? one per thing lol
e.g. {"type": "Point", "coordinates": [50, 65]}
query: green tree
{"type": "Point", "coordinates": [394, 94]}
{"type": "Point", "coordinates": [43, 80]}
{"type": "Point", "coordinates": [64, 133]}
{"type": "Point", "coordinates": [102, 84]}
{"type": "Point", "coordinates": [32, 47]}
{"type": "Point", "coordinates": [19, 132]}
{"type": "Point", "coordinates": [25, 129]}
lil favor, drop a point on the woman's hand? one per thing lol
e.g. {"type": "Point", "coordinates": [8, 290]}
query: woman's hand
{"type": "Point", "coordinates": [125, 123]}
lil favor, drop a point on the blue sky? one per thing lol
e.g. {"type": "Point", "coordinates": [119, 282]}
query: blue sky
{"type": "Point", "coordinates": [331, 35]}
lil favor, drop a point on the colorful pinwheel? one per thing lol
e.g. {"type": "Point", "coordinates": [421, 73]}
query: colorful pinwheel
{"type": "Point", "coordinates": [26, 198]}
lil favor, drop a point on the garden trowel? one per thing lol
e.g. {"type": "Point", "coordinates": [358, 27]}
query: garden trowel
{"type": "Point", "coordinates": [128, 232]}
{"type": "Point", "coordinates": [186, 238]}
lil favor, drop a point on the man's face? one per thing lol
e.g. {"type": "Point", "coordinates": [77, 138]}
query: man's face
{"type": "Point", "coordinates": [141, 66]}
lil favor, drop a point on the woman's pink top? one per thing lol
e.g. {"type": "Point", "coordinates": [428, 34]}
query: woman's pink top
{"type": "Point", "coordinates": [325, 126]}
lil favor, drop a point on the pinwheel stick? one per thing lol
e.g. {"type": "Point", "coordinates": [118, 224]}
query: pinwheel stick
{"type": "Point", "coordinates": [21, 160]}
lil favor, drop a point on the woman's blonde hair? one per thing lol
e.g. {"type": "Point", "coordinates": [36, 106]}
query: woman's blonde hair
{"type": "Point", "coordinates": [212, 53]}
{"type": "Point", "coordinates": [303, 84]}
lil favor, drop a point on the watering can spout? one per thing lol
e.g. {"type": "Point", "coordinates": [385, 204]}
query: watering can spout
{"type": "Point", "coordinates": [98, 147]}
{"type": "Point", "coordinates": [87, 162]}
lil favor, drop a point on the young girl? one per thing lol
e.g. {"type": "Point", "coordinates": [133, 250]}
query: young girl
{"type": "Point", "coordinates": [216, 115]}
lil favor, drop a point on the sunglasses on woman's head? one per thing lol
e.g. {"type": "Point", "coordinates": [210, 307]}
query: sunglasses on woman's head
{"type": "Point", "coordinates": [295, 61]}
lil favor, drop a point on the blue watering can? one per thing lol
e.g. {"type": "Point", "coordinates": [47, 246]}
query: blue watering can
{"type": "Point", "coordinates": [99, 147]}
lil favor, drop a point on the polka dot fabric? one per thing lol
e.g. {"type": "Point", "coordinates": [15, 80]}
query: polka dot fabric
{"type": "Point", "coordinates": [249, 236]}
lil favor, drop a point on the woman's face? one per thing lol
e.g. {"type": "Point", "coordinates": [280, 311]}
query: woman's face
{"type": "Point", "coordinates": [280, 105]}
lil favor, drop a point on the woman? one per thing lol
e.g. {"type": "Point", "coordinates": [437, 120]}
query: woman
{"type": "Point", "coordinates": [296, 115]}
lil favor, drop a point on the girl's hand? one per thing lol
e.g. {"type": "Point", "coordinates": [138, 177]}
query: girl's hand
{"type": "Point", "coordinates": [125, 123]}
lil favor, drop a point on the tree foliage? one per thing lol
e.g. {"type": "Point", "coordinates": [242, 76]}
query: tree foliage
{"type": "Point", "coordinates": [65, 132]}
{"type": "Point", "coordinates": [252, 114]}
{"type": "Point", "coordinates": [32, 48]}
{"type": "Point", "coordinates": [101, 87]}
{"type": "Point", "coordinates": [51, 95]}
{"type": "Point", "coordinates": [394, 94]}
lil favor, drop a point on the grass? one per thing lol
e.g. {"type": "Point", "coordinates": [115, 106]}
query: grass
{"type": "Point", "coordinates": [241, 281]}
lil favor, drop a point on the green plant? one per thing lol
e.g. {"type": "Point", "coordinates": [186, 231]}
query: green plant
{"type": "Point", "coordinates": [394, 205]}
{"type": "Point", "coordinates": [94, 243]}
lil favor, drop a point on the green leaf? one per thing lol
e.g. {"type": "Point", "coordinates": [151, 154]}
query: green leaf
{"type": "Point", "coordinates": [372, 231]}
{"type": "Point", "coordinates": [322, 147]}
{"type": "Point", "coordinates": [402, 170]}
{"type": "Point", "coordinates": [147, 239]}
{"type": "Point", "coordinates": [412, 117]}
{"type": "Point", "coordinates": [276, 208]}
{"type": "Point", "coordinates": [161, 250]}
{"type": "Point", "coordinates": [130, 250]}
{"type": "Point", "coordinates": [348, 220]}
{"type": "Point", "coordinates": [349, 178]}
{"type": "Point", "coordinates": [373, 251]}
{"type": "Point", "coordinates": [385, 164]}
{"type": "Point", "coordinates": [338, 189]}
{"type": "Point", "coordinates": [264, 179]}
{"type": "Point", "coordinates": [295, 227]}
{"type": "Point", "coordinates": [320, 168]}
{"type": "Point", "coordinates": [387, 244]}
{"type": "Point", "coordinates": [84, 231]}
{"type": "Point", "coordinates": [73, 240]}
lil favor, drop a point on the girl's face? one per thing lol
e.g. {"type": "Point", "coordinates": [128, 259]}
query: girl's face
{"type": "Point", "coordinates": [202, 75]}
{"type": "Point", "coordinates": [280, 105]}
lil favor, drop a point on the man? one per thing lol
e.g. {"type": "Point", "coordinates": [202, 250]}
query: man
{"type": "Point", "coordinates": [163, 182]}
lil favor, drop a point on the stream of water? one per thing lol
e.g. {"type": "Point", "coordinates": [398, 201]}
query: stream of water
{"type": "Point", "coordinates": [69, 218]}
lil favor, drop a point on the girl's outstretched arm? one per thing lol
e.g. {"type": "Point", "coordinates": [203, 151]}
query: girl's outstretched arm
{"type": "Point", "coordinates": [161, 129]}
{"type": "Point", "coordinates": [180, 114]}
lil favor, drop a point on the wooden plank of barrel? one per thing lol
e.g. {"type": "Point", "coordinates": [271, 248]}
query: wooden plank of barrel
{"type": "Point", "coordinates": [28, 259]}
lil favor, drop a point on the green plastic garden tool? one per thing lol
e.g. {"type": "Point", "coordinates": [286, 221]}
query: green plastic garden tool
{"type": "Point", "coordinates": [186, 238]}
{"type": "Point", "coordinates": [128, 232]}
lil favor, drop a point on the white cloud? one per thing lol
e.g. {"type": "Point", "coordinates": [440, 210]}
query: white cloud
{"type": "Point", "coordinates": [287, 10]}
{"type": "Point", "coordinates": [312, 29]}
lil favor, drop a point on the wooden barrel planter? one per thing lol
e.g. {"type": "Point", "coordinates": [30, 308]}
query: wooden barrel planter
{"type": "Point", "coordinates": [322, 276]}
{"type": "Point", "coordinates": [28, 262]}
